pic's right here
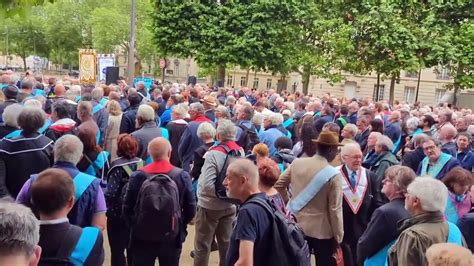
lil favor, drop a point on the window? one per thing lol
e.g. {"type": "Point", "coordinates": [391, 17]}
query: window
{"type": "Point", "coordinates": [411, 74]}
{"type": "Point", "coordinates": [439, 93]}
{"type": "Point", "coordinates": [169, 72]}
{"type": "Point", "coordinates": [243, 81]}
{"type": "Point", "coordinates": [443, 73]}
{"type": "Point", "coordinates": [255, 83]}
{"type": "Point", "coordinates": [176, 67]}
{"type": "Point", "coordinates": [229, 80]}
{"type": "Point", "coordinates": [381, 92]}
{"type": "Point", "coordinates": [269, 84]}
{"type": "Point", "coordinates": [409, 94]}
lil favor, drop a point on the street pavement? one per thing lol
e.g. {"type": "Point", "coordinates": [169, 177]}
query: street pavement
{"type": "Point", "coordinates": [185, 260]}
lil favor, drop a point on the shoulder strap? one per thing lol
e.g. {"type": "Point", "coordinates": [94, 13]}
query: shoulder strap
{"type": "Point", "coordinates": [263, 203]}
{"type": "Point", "coordinates": [81, 183]}
{"type": "Point", "coordinates": [312, 189]}
{"type": "Point", "coordinates": [85, 245]}
{"type": "Point", "coordinates": [129, 170]}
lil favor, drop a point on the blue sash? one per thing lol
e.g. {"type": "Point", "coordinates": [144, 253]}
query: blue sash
{"type": "Point", "coordinates": [435, 169]}
{"type": "Point", "coordinates": [454, 234]}
{"type": "Point", "coordinates": [13, 134]}
{"type": "Point", "coordinates": [417, 132]}
{"type": "Point", "coordinates": [148, 160]}
{"type": "Point", "coordinates": [104, 101]}
{"type": "Point", "coordinates": [38, 92]}
{"type": "Point", "coordinates": [309, 192]}
{"type": "Point", "coordinates": [78, 98]}
{"type": "Point", "coordinates": [81, 182]}
{"type": "Point", "coordinates": [97, 108]}
{"type": "Point", "coordinates": [282, 167]}
{"type": "Point", "coordinates": [288, 122]}
{"type": "Point", "coordinates": [97, 137]}
{"type": "Point", "coordinates": [451, 212]}
{"type": "Point", "coordinates": [45, 127]}
{"type": "Point", "coordinates": [84, 245]}
{"type": "Point", "coordinates": [380, 258]}
{"type": "Point", "coordinates": [397, 144]}
{"type": "Point", "coordinates": [99, 162]}
{"type": "Point", "coordinates": [288, 134]}
{"type": "Point", "coordinates": [164, 133]}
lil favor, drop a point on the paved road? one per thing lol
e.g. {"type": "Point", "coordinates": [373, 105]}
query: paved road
{"type": "Point", "coordinates": [185, 258]}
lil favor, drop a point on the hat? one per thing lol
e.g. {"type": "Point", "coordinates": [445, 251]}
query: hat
{"type": "Point", "coordinates": [327, 138]}
{"type": "Point", "coordinates": [10, 92]}
{"type": "Point", "coordinates": [286, 112]}
{"type": "Point", "coordinates": [209, 99]}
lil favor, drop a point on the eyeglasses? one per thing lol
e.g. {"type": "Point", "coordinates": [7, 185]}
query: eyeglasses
{"type": "Point", "coordinates": [432, 147]}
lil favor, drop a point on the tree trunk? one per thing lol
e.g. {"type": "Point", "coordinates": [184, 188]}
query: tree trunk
{"type": "Point", "coordinates": [305, 76]}
{"type": "Point", "coordinates": [376, 99]}
{"type": "Point", "coordinates": [247, 77]}
{"type": "Point", "coordinates": [456, 85]}
{"type": "Point", "coordinates": [418, 86]}
{"type": "Point", "coordinates": [220, 75]}
{"type": "Point", "coordinates": [392, 90]}
{"type": "Point", "coordinates": [23, 57]}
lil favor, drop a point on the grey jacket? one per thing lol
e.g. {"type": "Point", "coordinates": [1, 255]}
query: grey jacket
{"type": "Point", "coordinates": [144, 135]}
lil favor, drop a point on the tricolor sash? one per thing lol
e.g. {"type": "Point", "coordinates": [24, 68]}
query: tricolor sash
{"type": "Point", "coordinates": [436, 168]}
{"type": "Point", "coordinates": [354, 196]}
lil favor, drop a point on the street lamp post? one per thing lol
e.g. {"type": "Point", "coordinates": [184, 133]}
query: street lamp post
{"type": "Point", "coordinates": [131, 46]}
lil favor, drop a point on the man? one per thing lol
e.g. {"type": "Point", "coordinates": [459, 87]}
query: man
{"type": "Point", "coordinates": [84, 114]}
{"type": "Point", "coordinates": [190, 141]}
{"type": "Point", "coordinates": [10, 92]}
{"type": "Point", "coordinates": [26, 89]}
{"type": "Point", "coordinates": [170, 104]}
{"type": "Point", "coordinates": [273, 131]}
{"type": "Point", "coordinates": [246, 132]}
{"type": "Point", "coordinates": [19, 235]}
{"type": "Point", "coordinates": [360, 193]}
{"type": "Point", "coordinates": [214, 216]}
{"type": "Point", "coordinates": [462, 123]}
{"type": "Point", "coordinates": [464, 155]}
{"type": "Point", "coordinates": [144, 250]}
{"type": "Point", "coordinates": [413, 158]}
{"type": "Point", "coordinates": [251, 238]}
{"type": "Point", "coordinates": [26, 154]}
{"type": "Point", "coordinates": [364, 131]}
{"type": "Point", "coordinates": [426, 202]}
{"type": "Point", "coordinates": [147, 130]}
{"type": "Point", "coordinates": [320, 217]}
{"type": "Point", "coordinates": [393, 130]}
{"type": "Point", "coordinates": [62, 122]}
{"type": "Point", "coordinates": [89, 207]}
{"type": "Point", "coordinates": [326, 117]}
{"type": "Point", "coordinates": [127, 125]}
{"type": "Point", "coordinates": [209, 103]}
{"type": "Point", "coordinates": [176, 128]}
{"type": "Point", "coordinates": [53, 203]}
{"type": "Point", "coordinates": [444, 118]}
{"type": "Point", "coordinates": [447, 136]}
{"type": "Point", "coordinates": [99, 113]}
{"type": "Point", "coordinates": [353, 109]}
{"type": "Point", "coordinates": [436, 163]}
{"type": "Point", "coordinates": [426, 124]}
{"type": "Point", "coordinates": [343, 119]}
{"type": "Point", "coordinates": [348, 133]}
{"type": "Point", "coordinates": [142, 91]}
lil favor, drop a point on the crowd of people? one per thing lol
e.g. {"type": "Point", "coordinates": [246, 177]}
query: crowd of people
{"type": "Point", "coordinates": [363, 182]}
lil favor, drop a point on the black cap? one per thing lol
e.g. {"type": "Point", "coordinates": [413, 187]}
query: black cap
{"type": "Point", "coordinates": [11, 91]}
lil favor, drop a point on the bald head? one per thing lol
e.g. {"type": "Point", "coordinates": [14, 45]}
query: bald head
{"type": "Point", "coordinates": [59, 90]}
{"type": "Point", "coordinates": [448, 132]}
{"type": "Point", "coordinates": [395, 116]}
{"type": "Point", "coordinates": [159, 149]}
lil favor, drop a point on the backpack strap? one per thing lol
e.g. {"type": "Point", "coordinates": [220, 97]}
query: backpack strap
{"type": "Point", "coordinates": [81, 183]}
{"type": "Point", "coordinates": [311, 190]}
{"type": "Point", "coordinates": [129, 170]}
{"type": "Point", "coordinates": [84, 245]}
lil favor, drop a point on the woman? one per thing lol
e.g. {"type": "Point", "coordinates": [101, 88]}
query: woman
{"type": "Point", "coordinates": [458, 181]}
{"type": "Point", "coordinates": [376, 125]}
{"type": "Point", "coordinates": [382, 230]}
{"type": "Point", "coordinates": [176, 128]}
{"type": "Point", "coordinates": [369, 153]}
{"type": "Point", "coordinates": [115, 117]}
{"type": "Point", "coordinates": [268, 172]}
{"type": "Point", "coordinates": [206, 132]}
{"type": "Point", "coordinates": [117, 179]}
{"type": "Point", "coordinates": [259, 152]}
{"type": "Point", "coordinates": [10, 128]}
{"type": "Point", "coordinates": [94, 161]}
{"type": "Point", "coordinates": [306, 147]}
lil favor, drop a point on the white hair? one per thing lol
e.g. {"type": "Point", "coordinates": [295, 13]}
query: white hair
{"type": "Point", "coordinates": [19, 229]}
{"type": "Point", "coordinates": [181, 110]}
{"type": "Point", "coordinates": [275, 118]}
{"type": "Point", "coordinates": [11, 113]}
{"type": "Point", "coordinates": [97, 93]}
{"type": "Point", "coordinates": [412, 123]}
{"type": "Point", "coordinates": [68, 148]}
{"type": "Point", "coordinates": [73, 92]}
{"type": "Point", "coordinates": [33, 103]}
{"type": "Point", "coordinates": [431, 192]}
{"type": "Point", "coordinates": [226, 130]}
{"type": "Point", "coordinates": [352, 128]}
{"type": "Point", "coordinates": [350, 148]}
{"type": "Point", "coordinates": [206, 130]}
{"type": "Point", "coordinates": [385, 142]}
{"type": "Point", "coordinates": [257, 118]}
{"type": "Point", "coordinates": [145, 113]}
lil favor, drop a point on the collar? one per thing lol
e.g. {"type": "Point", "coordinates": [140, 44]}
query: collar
{"type": "Point", "coordinates": [426, 217]}
{"type": "Point", "coordinates": [55, 221]}
{"type": "Point", "coordinates": [201, 118]}
{"type": "Point", "coordinates": [149, 124]}
{"type": "Point", "coordinates": [349, 171]}
{"type": "Point", "coordinates": [161, 166]}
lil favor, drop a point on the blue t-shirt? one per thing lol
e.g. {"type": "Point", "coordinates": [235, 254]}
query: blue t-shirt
{"type": "Point", "coordinates": [253, 223]}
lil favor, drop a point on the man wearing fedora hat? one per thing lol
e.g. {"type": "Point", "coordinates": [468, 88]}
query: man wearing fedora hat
{"type": "Point", "coordinates": [316, 197]}
{"type": "Point", "coordinates": [209, 102]}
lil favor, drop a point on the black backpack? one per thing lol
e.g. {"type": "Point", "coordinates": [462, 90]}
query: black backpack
{"type": "Point", "coordinates": [220, 189]}
{"type": "Point", "coordinates": [287, 238]}
{"type": "Point", "coordinates": [158, 210]}
{"type": "Point", "coordinates": [248, 138]}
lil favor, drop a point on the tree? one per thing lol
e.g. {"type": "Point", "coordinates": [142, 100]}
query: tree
{"type": "Point", "coordinates": [110, 28]}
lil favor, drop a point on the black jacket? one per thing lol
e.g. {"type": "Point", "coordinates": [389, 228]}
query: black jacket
{"type": "Point", "coordinates": [466, 225]}
{"type": "Point", "coordinates": [413, 159]}
{"type": "Point", "coordinates": [382, 229]}
{"type": "Point", "coordinates": [127, 125]}
{"type": "Point", "coordinates": [5, 130]}
{"type": "Point", "coordinates": [198, 160]}
{"type": "Point", "coordinates": [175, 131]}
{"type": "Point", "coordinates": [362, 139]}
{"type": "Point", "coordinates": [21, 157]}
